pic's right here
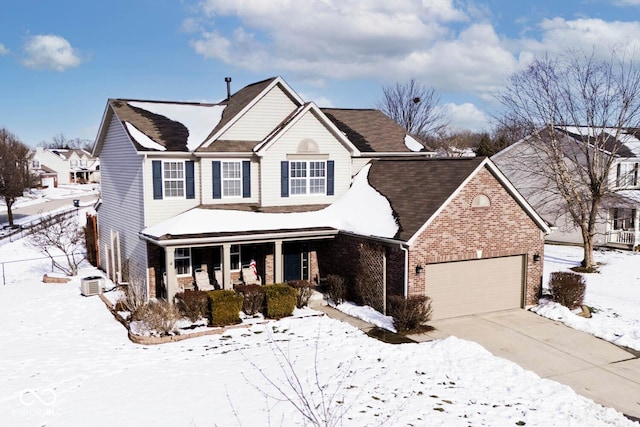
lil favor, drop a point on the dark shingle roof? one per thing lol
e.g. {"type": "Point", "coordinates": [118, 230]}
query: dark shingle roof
{"type": "Point", "coordinates": [369, 130]}
{"type": "Point", "coordinates": [417, 188]}
{"type": "Point", "coordinates": [239, 100]}
{"type": "Point", "coordinates": [166, 132]}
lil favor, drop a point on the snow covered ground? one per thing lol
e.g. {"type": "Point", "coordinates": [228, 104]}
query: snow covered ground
{"type": "Point", "coordinates": [64, 361]}
{"type": "Point", "coordinates": [614, 293]}
{"type": "Point", "coordinates": [37, 196]}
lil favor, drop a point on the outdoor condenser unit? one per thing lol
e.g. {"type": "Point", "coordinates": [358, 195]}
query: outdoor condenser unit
{"type": "Point", "coordinates": [92, 285]}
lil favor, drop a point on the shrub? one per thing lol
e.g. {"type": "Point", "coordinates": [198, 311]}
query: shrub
{"type": "Point", "coordinates": [337, 288]}
{"type": "Point", "coordinates": [304, 289]}
{"type": "Point", "coordinates": [280, 300]}
{"type": "Point", "coordinates": [158, 316]}
{"type": "Point", "coordinates": [193, 304]}
{"type": "Point", "coordinates": [409, 313]}
{"type": "Point", "coordinates": [224, 307]}
{"type": "Point", "coordinates": [252, 298]}
{"type": "Point", "coordinates": [567, 288]}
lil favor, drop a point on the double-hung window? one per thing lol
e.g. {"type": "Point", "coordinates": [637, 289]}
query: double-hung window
{"type": "Point", "coordinates": [182, 261]}
{"type": "Point", "coordinates": [232, 179]}
{"type": "Point", "coordinates": [627, 175]}
{"type": "Point", "coordinates": [308, 177]}
{"type": "Point", "coordinates": [173, 175]}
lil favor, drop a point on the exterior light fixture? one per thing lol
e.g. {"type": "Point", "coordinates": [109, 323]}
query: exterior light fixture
{"type": "Point", "coordinates": [419, 269]}
{"type": "Point", "coordinates": [536, 257]}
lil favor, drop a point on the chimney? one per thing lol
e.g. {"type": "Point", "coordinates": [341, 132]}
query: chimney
{"type": "Point", "coordinates": [228, 80]}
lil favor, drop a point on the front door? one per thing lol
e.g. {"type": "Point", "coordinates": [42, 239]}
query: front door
{"type": "Point", "coordinates": [296, 261]}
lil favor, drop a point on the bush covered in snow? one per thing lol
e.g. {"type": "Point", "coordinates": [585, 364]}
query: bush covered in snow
{"type": "Point", "coordinates": [280, 300]}
{"type": "Point", "coordinates": [225, 306]}
{"type": "Point", "coordinates": [567, 288]}
{"type": "Point", "coordinates": [409, 313]}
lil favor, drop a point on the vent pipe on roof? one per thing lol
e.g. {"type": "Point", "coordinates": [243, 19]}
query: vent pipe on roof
{"type": "Point", "coordinates": [228, 80]}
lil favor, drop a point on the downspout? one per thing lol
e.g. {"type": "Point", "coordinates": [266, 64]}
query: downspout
{"type": "Point", "coordinates": [406, 270]}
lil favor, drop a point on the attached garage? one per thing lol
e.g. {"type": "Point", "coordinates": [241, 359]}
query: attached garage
{"type": "Point", "coordinates": [475, 286]}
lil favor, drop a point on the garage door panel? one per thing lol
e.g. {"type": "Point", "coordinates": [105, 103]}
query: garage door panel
{"type": "Point", "coordinates": [476, 286]}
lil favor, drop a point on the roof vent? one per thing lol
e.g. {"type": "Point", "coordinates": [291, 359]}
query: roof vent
{"type": "Point", "coordinates": [228, 80]}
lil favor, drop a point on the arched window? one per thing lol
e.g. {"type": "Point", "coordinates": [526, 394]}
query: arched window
{"type": "Point", "coordinates": [480, 201]}
{"type": "Point", "coordinates": [308, 145]}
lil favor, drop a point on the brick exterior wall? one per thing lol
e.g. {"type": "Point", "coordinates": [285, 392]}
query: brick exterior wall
{"type": "Point", "coordinates": [460, 230]}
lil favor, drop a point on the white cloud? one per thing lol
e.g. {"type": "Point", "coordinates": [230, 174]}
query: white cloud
{"type": "Point", "coordinates": [3, 50]}
{"type": "Point", "coordinates": [50, 52]}
{"type": "Point", "coordinates": [466, 116]}
{"type": "Point", "coordinates": [627, 3]}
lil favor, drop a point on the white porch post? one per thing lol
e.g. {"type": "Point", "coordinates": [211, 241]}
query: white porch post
{"type": "Point", "coordinates": [636, 227]}
{"type": "Point", "coordinates": [170, 269]}
{"type": "Point", "coordinates": [226, 266]}
{"type": "Point", "coordinates": [278, 261]}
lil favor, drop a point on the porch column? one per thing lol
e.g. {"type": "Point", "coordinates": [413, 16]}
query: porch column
{"type": "Point", "coordinates": [226, 266]}
{"type": "Point", "coordinates": [636, 228]}
{"type": "Point", "coordinates": [170, 269]}
{"type": "Point", "coordinates": [278, 262]}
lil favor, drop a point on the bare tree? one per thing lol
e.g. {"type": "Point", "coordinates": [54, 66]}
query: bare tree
{"type": "Point", "coordinates": [15, 176]}
{"type": "Point", "coordinates": [60, 236]}
{"type": "Point", "coordinates": [415, 107]}
{"type": "Point", "coordinates": [456, 143]}
{"type": "Point", "coordinates": [592, 100]}
{"type": "Point", "coordinates": [61, 141]}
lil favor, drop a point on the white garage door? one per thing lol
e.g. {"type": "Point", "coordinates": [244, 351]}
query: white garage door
{"type": "Point", "coordinates": [477, 286]}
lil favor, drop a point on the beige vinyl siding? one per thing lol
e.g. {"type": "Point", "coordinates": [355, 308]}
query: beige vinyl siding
{"type": "Point", "coordinates": [288, 144]}
{"type": "Point", "coordinates": [477, 286]}
{"type": "Point", "coordinates": [122, 208]}
{"type": "Point", "coordinates": [159, 210]}
{"type": "Point", "coordinates": [358, 163]}
{"type": "Point", "coordinates": [262, 118]}
{"type": "Point", "coordinates": [207, 182]}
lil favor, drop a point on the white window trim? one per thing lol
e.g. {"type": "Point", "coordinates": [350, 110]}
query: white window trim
{"type": "Point", "coordinates": [188, 257]}
{"type": "Point", "coordinates": [223, 179]}
{"type": "Point", "coordinates": [183, 180]}
{"type": "Point", "coordinates": [307, 178]}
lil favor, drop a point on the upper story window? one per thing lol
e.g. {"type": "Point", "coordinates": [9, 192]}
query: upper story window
{"type": "Point", "coordinates": [83, 162]}
{"type": "Point", "coordinates": [35, 164]}
{"type": "Point", "coordinates": [308, 177]}
{"type": "Point", "coordinates": [232, 179]}
{"type": "Point", "coordinates": [627, 175]}
{"type": "Point", "coordinates": [481, 201]}
{"type": "Point", "coordinates": [173, 179]}
{"type": "Point", "coordinates": [74, 163]}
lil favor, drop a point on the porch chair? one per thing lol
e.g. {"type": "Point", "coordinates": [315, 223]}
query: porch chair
{"type": "Point", "coordinates": [250, 275]}
{"type": "Point", "coordinates": [217, 278]}
{"type": "Point", "coordinates": [202, 280]}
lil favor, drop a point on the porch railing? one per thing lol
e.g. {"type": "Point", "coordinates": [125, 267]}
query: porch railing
{"type": "Point", "coordinates": [623, 237]}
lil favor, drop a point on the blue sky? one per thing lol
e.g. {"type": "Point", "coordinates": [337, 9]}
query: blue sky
{"type": "Point", "coordinates": [61, 60]}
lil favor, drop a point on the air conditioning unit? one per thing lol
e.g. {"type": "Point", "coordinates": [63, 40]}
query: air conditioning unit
{"type": "Point", "coordinates": [93, 285]}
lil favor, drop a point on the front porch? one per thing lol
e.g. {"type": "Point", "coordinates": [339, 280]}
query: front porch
{"type": "Point", "coordinates": [171, 269]}
{"type": "Point", "coordinates": [623, 228]}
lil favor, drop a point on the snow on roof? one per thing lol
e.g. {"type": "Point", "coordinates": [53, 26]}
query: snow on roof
{"type": "Point", "coordinates": [142, 138]}
{"type": "Point", "coordinates": [361, 210]}
{"type": "Point", "coordinates": [412, 144]}
{"type": "Point", "coordinates": [199, 119]}
{"type": "Point", "coordinates": [631, 142]}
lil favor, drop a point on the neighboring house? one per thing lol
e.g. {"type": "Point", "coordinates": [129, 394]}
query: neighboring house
{"type": "Point", "coordinates": [619, 216]}
{"type": "Point", "coordinates": [305, 192]}
{"type": "Point", "coordinates": [64, 166]}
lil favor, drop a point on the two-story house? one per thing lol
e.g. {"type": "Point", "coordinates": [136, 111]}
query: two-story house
{"type": "Point", "coordinates": [302, 192]}
{"type": "Point", "coordinates": [64, 166]}
{"type": "Point", "coordinates": [618, 218]}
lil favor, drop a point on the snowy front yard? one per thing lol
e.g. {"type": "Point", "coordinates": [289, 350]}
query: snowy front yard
{"type": "Point", "coordinates": [64, 361]}
{"type": "Point", "coordinates": [614, 293]}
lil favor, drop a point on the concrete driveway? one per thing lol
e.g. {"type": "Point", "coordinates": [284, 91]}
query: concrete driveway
{"type": "Point", "coordinates": [592, 367]}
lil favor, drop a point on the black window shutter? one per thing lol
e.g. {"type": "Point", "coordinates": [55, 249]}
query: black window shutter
{"type": "Point", "coordinates": [330, 177]}
{"type": "Point", "coordinates": [246, 178]}
{"type": "Point", "coordinates": [618, 177]}
{"type": "Point", "coordinates": [217, 182]}
{"type": "Point", "coordinates": [635, 174]}
{"type": "Point", "coordinates": [284, 179]}
{"type": "Point", "coordinates": [190, 181]}
{"type": "Point", "coordinates": [156, 168]}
